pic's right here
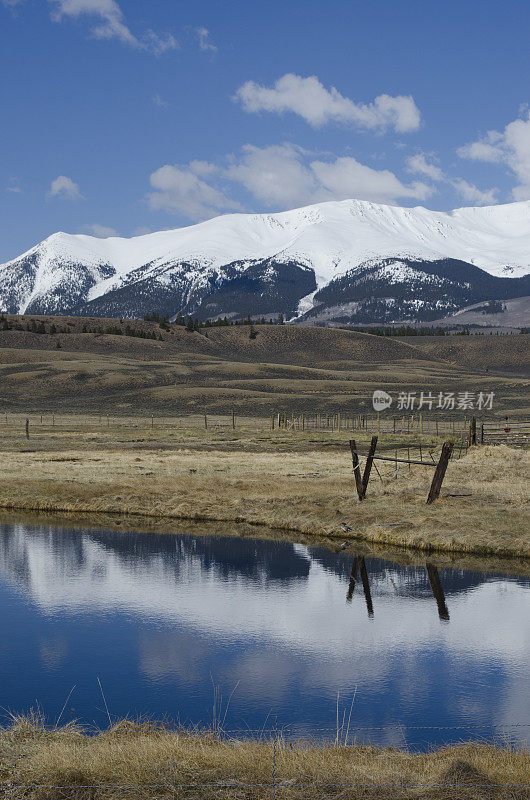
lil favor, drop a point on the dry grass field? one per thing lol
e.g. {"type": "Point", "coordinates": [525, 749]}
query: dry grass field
{"type": "Point", "coordinates": [42, 765]}
{"type": "Point", "coordinates": [287, 480]}
{"type": "Point", "coordinates": [159, 463]}
{"type": "Point", "coordinates": [285, 368]}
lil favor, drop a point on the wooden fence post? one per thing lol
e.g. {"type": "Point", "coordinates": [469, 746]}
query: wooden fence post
{"type": "Point", "coordinates": [233, 419]}
{"type": "Point", "coordinates": [27, 428]}
{"type": "Point", "coordinates": [356, 469]}
{"type": "Point", "coordinates": [368, 466]}
{"type": "Point", "coordinates": [205, 422]}
{"type": "Point", "coordinates": [473, 431]}
{"type": "Point", "coordinates": [439, 472]}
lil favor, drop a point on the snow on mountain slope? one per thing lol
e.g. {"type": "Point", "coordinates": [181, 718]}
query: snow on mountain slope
{"type": "Point", "coordinates": [178, 268]}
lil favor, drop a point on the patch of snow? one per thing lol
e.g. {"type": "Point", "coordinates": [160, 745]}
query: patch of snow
{"type": "Point", "coordinates": [305, 304]}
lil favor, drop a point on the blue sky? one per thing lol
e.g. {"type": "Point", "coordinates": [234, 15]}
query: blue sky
{"type": "Point", "coordinates": [128, 116]}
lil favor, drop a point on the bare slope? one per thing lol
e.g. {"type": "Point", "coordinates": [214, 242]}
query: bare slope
{"type": "Point", "coordinates": [293, 369]}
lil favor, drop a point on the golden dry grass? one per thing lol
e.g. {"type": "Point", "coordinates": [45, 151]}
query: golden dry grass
{"type": "Point", "coordinates": [285, 368]}
{"type": "Point", "coordinates": [301, 482]}
{"type": "Point", "coordinates": [157, 761]}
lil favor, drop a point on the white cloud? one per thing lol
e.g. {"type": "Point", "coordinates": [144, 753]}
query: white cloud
{"type": "Point", "coordinates": [101, 231]}
{"type": "Point", "coordinates": [12, 3]}
{"type": "Point", "coordinates": [159, 101]}
{"type": "Point", "coordinates": [481, 151]}
{"type": "Point", "coordinates": [110, 24]}
{"type": "Point", "coordinates": [347, 177]}
{"type": "Point", "coordinates": [64, 187]}
{"type": "Point", "coordinates": [308, 98]}
{"type": "Point", "coordinates": [277, 176]}
{"type": "Point", "coordinates": [159, 43]}
{"type": "Point", "coordinates": [274, 175]}
{"type": "Point", "coordinates": [14, 187]}
{"type": "Point", "coordinates": [110, 20]}
{"type": "Point", "coordinates": [205, 44]}
{"type": "Point", "coordinates": [282, 175]}
{"type": "Point", "coordinates": [471, 194]}
{"type": "Point", "coordinates": [180, 188]}
{"type": "Point", "coordinates": [510, 147]}
{"type": "Point", "coordinates": [418, 165]}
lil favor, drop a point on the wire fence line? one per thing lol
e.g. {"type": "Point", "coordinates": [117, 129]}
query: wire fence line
{"type": "Point", "coordinates": [298, 421]}
{"type": "Point", "coordinates": [143, 728]}
{"type": "Point", "coordinates": [292, 784]}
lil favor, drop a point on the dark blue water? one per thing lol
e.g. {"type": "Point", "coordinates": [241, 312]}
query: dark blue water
{"type": "Point", "coordinates": [162, 619]}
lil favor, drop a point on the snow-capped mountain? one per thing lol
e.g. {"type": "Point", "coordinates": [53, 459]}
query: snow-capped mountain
{"type": "Point", "coordinates": [348, 261]}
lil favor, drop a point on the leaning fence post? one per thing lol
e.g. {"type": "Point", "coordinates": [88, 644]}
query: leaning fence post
{"type": "Point", "coordinates": [368, 466]}
{"type": "Point", "coordinates": [439, 472]}
{"type": "Point", "coordinates": [356, 469]}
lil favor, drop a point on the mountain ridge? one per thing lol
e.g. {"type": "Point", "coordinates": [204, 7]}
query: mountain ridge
{"type": "Point", "coordinates": [267, 264]}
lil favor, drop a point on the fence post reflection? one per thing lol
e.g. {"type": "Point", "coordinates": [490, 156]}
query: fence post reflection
{"type": "Point", "coordinates": [437, 591]}
{"type": "Point", "coordinates": [360, 564]}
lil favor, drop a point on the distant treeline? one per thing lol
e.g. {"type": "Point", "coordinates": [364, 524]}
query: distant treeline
{"type": "Point", "coordinates": [32, 326]}
{"type": "Point", "coordinates": [192, 323]}
{"type": "Point", "coordinates": [408, 330]}
{"type": "Point", "coordinates": [405, 330]}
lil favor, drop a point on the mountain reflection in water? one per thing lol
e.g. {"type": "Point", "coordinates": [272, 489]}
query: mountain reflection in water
{"type": "Point", "coordinates": [157, 617]}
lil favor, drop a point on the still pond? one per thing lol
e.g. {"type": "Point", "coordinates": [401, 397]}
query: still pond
{"type": "Point", "coordinates": [276, 630]}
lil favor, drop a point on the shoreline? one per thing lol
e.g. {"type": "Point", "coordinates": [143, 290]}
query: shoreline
{"type": "Point", "coordinates": [295, 484]}
{"type": "Point", "coordinates": [157, 762]}
{"type": "Point", "coordinates": [418, 545]}
{"type": "Point", "coordinates": [138, 523]}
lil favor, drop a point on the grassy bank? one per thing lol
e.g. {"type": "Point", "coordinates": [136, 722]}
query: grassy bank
{"type": "Point", "coordinates": [166, 764]}
{"type": "Point", "coordinates": [300, 482]}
